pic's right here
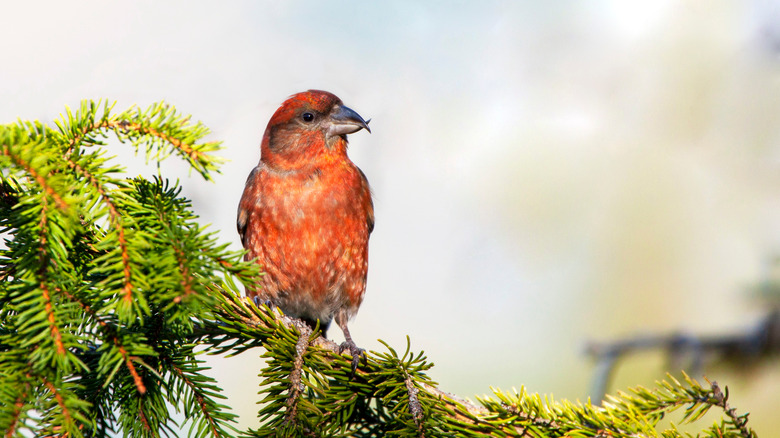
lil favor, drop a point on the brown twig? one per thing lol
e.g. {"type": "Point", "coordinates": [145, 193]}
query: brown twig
{"type": "Point", "coordinates": [739, 421]}
{"type": "Point", "coordinates": [198, 398]}
{"type": "Point", "coordinates": [297, 372]}
{"type": "Point", "coordinates": [49, 190]}
{"type": "Point", "coordinates": [55, 331]}
{"type": "Point", "coordinates": [128, 126]}
{"type": "Point", "coordinates": [414, 403]}
{"type": "Point", "coordinates": [18, 409]}
{"type": "Point", "coordinates": [139, 383]}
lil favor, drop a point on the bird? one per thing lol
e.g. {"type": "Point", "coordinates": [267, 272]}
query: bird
{"type": "Point", "coordinates": [307, 212]}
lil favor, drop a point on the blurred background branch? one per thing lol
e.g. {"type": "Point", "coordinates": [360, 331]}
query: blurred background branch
{"type": "Point", "coordinates": [696, 353]}
{"type": "Point", "coordinates": [687, 351]}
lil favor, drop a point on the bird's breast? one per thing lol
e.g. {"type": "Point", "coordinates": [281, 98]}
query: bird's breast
{"type": "Point", "coordinates": [310, 223]}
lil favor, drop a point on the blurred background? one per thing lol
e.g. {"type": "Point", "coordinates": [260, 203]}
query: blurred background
{"type": "Point", "coordinates": [545, 173]}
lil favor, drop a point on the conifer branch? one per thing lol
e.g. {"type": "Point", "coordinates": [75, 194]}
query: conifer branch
{"type": "Point", "coordinates": [200, 400]}
{"type": "Point", "coordinates": [55, 332]}
{"type": "Point", "coordinates": [186, 279]}
{"type": "Point", "coordinates": [116, 222]}
{"type": "Point", "coordinates": [139, 383]}
{"type": "Point", "coordinates": [107, 332]}
{"type": "Point", "coordinates": [414, 403]}
{"type": "Point", "coordinates": [18, 408]}
{"type": "Point", "coordinates": [739, 421]}
{"type": "Point", "coordinates": [128, 127]}
{"type": "Point", "coordinates": [58, 397]}
{"type": "Point", "coordinates": [145, 422]}
{"type": "Point", "coordinates": [515, 414]}
{"type": "Point", "coordinates": [35, 174]}
{"type": "Point", "coordinates": [43, 262]}
{"type": "Point", "coordinates": [186, 149]}
{"type": "Point", "coordinates": [297, 370]}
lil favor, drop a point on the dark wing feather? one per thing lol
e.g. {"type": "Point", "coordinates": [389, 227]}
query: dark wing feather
{"type": "Point", "coordinates": [242, 220]}
{"type": "Point", "coordinates": [370, 212]}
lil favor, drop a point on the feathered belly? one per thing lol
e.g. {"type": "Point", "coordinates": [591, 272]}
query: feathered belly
{"type": "Point", "coordinates": [315, 261]}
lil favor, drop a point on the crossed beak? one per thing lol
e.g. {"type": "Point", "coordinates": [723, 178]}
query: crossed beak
{"type": "Point", "coordinates": [344, 120]}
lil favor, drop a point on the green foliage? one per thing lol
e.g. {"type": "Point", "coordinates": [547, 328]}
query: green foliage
{"type": "Point", "coordinates": [101, 277]}
{"type": "Point", "coordinates": [109, 285]}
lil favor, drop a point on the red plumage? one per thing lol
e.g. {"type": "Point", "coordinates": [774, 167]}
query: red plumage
{"type": "Point", "coordinates": [306, 212]}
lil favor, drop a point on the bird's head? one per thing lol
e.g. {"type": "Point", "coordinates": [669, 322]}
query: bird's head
{"type": "Point", "coordinates": [309, 127]}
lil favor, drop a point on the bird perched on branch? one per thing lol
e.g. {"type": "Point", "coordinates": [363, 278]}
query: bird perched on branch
{"type": "Point", "coordinates": [306, 213]}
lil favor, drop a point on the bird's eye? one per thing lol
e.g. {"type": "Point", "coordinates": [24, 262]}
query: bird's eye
{"type": "Point", "coordinates": [307, 117]}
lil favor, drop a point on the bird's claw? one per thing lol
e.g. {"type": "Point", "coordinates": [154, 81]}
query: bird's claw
{"type": "Point", "coordinates": [356, 352]}
{"type": "Point", "coordinates": [259, 302]}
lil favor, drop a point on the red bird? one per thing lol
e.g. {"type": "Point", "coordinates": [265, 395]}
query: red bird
{"type": "Point", "coordinates": [306, 213]}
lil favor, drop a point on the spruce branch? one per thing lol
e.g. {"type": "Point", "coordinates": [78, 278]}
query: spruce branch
{"type": "Point", "coordinates": [86, 318]}
{"type": "Point", "coordinates": [384, 379]}
{"type": "Point", "coordinates": [736, 420]}
{"type": "Point", "coordinates": [35, 173]}
{"type": "Point", "coordinates": [159, 130]}
{"type": "Point", "coordinates": [115, 219]}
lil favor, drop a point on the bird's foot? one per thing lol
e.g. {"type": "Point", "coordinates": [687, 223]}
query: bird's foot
{"type": "Point", "coordinates": [356, 352]}
{"type": "Point", "coordinates": [259, 302]}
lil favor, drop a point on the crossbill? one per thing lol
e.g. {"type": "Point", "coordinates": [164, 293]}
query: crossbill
{"type": "Point", "coordinates": [306, 213]}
